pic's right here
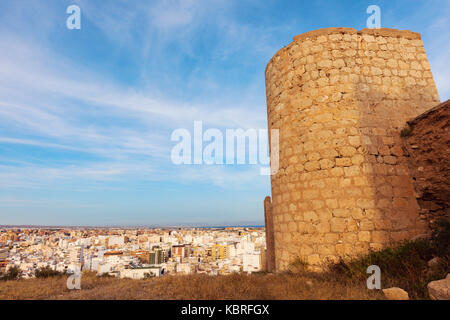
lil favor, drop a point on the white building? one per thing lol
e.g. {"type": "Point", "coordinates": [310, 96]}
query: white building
{"type": "Point", "coordinates": [251, 262]}
{"type": "Point", "coordinates": [140, 273]}
{"type": "Point", "coordinates": [104, 268]}
{"type": "Point", "coordinates": [183, 268]}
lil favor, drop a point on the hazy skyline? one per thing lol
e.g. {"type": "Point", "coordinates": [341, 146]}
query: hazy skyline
{"type": "Point", "coordinates": [86, 115]}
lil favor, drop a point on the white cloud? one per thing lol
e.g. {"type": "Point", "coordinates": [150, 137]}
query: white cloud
{"type": "Point", "coordinates": [438, 51]}
{"type": "Point", "coordinates": [49, 101]}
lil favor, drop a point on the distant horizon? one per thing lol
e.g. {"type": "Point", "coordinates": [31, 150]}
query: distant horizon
{"type": "Point", "coordinates": [135, 226]}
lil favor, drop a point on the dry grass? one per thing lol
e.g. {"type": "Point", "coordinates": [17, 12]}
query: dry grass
{"type": "Point", "coordinates": [403, 266]}
{"type": "Point", "coordinates": [233, 287]}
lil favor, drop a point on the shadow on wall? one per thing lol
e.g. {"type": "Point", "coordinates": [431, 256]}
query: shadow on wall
{"type": "Point", "coordinates": [393, 214]}
{"type": "Point", "coordinates": [427, 146]}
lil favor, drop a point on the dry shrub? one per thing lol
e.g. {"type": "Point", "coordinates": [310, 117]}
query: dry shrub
{"type": "Point", "coordinates": [403, 266]}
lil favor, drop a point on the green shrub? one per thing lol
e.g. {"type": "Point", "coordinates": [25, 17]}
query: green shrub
{"type": "Point", "coordinates": [47, 272]}
{"type": "Point", "coordinates": [440, 237]}
{"type": "Point", "coordinates": [298, 264]}
{"type": "Point", "coordinates": [406, 132]}
{"type": "Point", "coordinates": [404, 265]}
{"type": "Point", "coordinates": [13, 273]}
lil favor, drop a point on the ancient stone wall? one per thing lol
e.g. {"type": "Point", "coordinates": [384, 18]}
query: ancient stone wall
{"type": "Point", "coordinates": [270, 249]}
{"type": "Point", "coordinates": [427, 146]}
{"type": "Point", "coordinates": [339, 98]}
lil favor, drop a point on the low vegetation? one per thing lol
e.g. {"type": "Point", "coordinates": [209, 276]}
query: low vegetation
{"type": "Point", "coordinates": [237, 286]}
{"type": "Point", "coordinates": [13, 273]}
{"type": "Point", "coordinates": [47, 272]}
{"type": "Point", "coordinates": [404, 266]}
{"type": "Point", "coordinates": [406, 132]}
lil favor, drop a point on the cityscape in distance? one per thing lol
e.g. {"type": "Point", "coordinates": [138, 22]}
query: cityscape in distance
{"type": "Point", "coordinates": [212, 157]}
{"type": "Point", "coordinates": [133, 253]}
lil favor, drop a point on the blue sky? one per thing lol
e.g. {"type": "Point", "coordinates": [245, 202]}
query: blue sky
{"type": "Point", "coordinates": [86, 115]}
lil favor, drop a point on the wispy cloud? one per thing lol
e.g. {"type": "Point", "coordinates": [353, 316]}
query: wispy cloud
{"type": "Point", "coordinates": [61, 111]}
{"type": "Point", "coordinates": [93, 109]}
{"type": "Point", "coordinates": [438, 51]}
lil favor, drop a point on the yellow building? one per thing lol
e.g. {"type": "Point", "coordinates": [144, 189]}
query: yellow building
{"type": "Point", "coordinates": [219, 252]}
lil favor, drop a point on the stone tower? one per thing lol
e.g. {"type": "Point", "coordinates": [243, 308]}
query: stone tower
{"type": "Point", "coordinates": [340, 98]}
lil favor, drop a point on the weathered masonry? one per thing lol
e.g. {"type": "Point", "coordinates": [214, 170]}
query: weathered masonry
{"type": "Point", "coordinates": [340, 98]}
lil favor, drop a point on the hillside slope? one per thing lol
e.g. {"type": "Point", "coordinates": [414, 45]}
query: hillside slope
{"type": "Point", "coordinates": [238, 286]}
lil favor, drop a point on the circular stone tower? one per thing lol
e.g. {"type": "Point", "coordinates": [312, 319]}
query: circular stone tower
{"type": "Point", "coordinates": [339, 99]}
